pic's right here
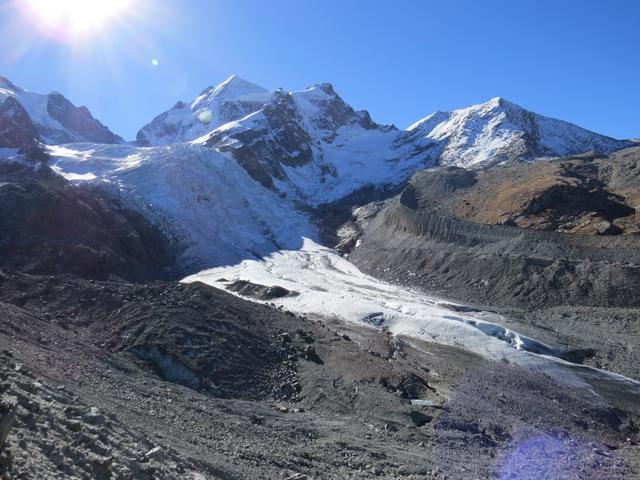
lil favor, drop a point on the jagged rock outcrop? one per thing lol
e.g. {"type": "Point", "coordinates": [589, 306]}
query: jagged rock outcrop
{"type": "Point", "coordinates": [17, 131]}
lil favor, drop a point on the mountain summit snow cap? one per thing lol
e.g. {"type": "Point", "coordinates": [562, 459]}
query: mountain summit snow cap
{"type": "Point", "coordinates": [496, 104]}
{"type": "Point", "coordinates": [325, 87]}
{"type": "Point", "coordinates": [498, 131]}
{"type": "Point", "coordinates": [234, 86]}
{"type": "Point", "coordinates": [213, 107]}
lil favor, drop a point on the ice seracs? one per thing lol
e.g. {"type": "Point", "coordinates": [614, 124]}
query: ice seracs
{"type": "Point", "coordinates": [202, 200]}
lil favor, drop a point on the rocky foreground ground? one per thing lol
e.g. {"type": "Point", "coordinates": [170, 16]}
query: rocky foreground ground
{"type": "Point", "coordinates": [111, 380]}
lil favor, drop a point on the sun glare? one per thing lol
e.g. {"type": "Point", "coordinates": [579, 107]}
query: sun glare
{"type": "Point", "coordinates": [73, 18]}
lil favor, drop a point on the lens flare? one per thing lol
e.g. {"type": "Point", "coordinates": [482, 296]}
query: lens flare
{"type": "Point", "coordinates": [69, 19]}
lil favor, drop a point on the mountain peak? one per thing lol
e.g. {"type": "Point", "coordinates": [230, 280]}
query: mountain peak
{"type": "Point", "coordinates": [499, 130]}
{"type": "Point", "coordinates": [497, 101]}
{"type": "Point", "coordinates": [325, 87]}
{"type": "Point", "coordinates": [430, 121]}
{"type": "Point", "coordinates": [234, 86]}
{"type": "Point", "coordinates": [214, 106]}
{"type": "Point", "coordinates": [504, 103]}
{"type": "Point", "coordinates": [56, 119]}
{"type": "Point", "coordinates": [6, 83]}
{"type": "Point", "coordinates": [494, 104]}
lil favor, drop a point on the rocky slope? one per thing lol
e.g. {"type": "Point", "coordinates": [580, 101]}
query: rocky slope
{"type": "Point", "coordinates": [55, 118]}
{"type": "Point", "coordinates": [88, 403]}
{"type": "Point", "coordinates": [18, 134]}
{"type": "Point", "coordinates": [552, 245]}
{"type": "Point", "coordinates": [572, 196]}
{"type": "Point", "coordinates": [50, 226]}
{"type": "Point", "coordinates": [591, 194]}
{"type": "Point", "coordinates": [409, 239]}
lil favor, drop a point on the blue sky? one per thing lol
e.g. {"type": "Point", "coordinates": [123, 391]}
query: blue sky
{"type": "Point", "coordinates": [578, 60]}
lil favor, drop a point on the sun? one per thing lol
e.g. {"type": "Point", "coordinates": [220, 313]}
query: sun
{"type": "Point", "coordinates": [66, 19]}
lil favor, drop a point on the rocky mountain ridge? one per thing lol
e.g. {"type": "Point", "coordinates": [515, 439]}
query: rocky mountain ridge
{"type": "Point", "coordinates": [312, 145]}
{"type": "Point", "coordinates": [500, 131]}
{"type": "Point", "coordinates": [55, 118]}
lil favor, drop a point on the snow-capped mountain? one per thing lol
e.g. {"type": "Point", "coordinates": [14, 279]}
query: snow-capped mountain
{"type": "Point", "coordinates": [313, 146]}
{"type": "Point", "coordinates": [230, 175]}
{"type": "Point", "coordinates": [499, 130]}
{"type": "Point", "coordinates": [232, 99]}
{"type": "Point", "coordinates": [56, 119]}
{"type": "Point", "coordinates": [304, 146]}
{"type": "Point", "coordinates": [310, 144]}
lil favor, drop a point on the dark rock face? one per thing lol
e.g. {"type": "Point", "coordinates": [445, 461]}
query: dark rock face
{"type": "Point", "coordinates": [336, 113]}
{"type": "Point", "coordinates": [260, 292]}
{"type": "Point", "coordinates": [280, 140]}
{"type": "Point", "coordinates": [290, 142]}
{"type": "Point", "coordinates": [290, 136]}
{"type": "Point", "coordinates": [78, 120]}
{"type": "Point", "coordinates": [17, 130]}
{"type": "Point", "coordinates": [48, 226]}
